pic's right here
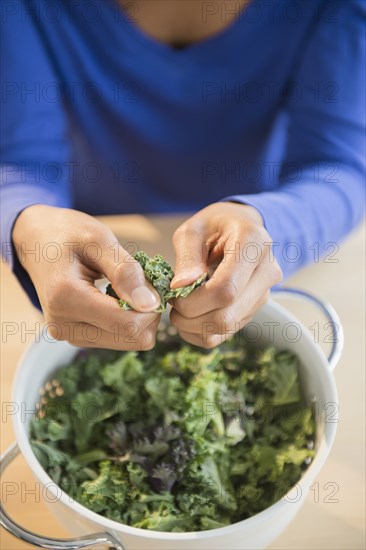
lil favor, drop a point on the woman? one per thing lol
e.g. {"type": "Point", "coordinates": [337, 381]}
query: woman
{"type": "Point", "coordinates": [249, 113]}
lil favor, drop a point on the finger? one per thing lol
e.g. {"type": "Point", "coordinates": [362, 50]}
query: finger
{"type": "Point", "coordinates": [123, 337]}
{"type": "Point", "coordinates": [257, 292]}
{"type": "Point", "coordinates": [92, 306]}
{"type": "Point", "coordinates": [220, 321]}
{"type": "Point", "coordinates": [76, 298]}
{"type": "Point", "coordinates": [191, 254]}
{"type": "Point", "coordinates": [229, 319]}
{"type": "Point", "coordinates": [207, 343]}
{"type": "Point", "coordinates": [205, 299]}
{"type": "Point", "coordinates": [227, 284]}
{"type": "Point", "coordinates": [236, 267]}
{"type": "Point", "coordinates": [126, 275]}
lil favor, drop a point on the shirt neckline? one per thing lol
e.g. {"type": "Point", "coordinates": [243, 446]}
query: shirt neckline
{"type": "Point", "coordinates": [152, 43]}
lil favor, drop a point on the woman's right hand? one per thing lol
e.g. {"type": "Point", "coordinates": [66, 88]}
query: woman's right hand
{"type": "Point", "coordinates": [74, 250]}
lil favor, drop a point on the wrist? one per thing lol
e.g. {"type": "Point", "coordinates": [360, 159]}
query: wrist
{"type": "Point", "coordinates": [28, 230]}
{"type": "Point", "coordinates": [32, 221]}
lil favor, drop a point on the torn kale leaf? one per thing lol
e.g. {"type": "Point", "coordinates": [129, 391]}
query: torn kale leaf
{"type": "Point", "coordinates": [160, 274]}
{"type": "Point", "coordinates": [178, 440]}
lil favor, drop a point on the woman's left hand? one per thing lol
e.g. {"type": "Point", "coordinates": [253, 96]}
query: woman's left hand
{"type": "Point", "coordinates": [231, 239]}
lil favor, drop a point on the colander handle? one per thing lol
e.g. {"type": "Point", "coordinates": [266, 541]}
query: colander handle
{"type": "Point", "coordinates": [335, 324]}
{"type": "Point", "coordinates": [44, 542]}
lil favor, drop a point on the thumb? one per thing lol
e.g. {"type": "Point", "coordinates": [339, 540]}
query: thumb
{"type": "Point", "coordinates": [127, 278]}
{"type": "Point", "coordinates": [191, 255]}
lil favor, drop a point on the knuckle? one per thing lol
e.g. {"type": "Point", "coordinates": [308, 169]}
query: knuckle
{"type": "Point", "coordinates": [262, 234]}
{"type": "Point", "coordinates": [52, 303]}
{"type": "Point", "coordinates": [224, 320]}
{"type": "Point", "coordinates": [184, 307]}
{"type": "Point", "coordinates": [268, 241]}
{"type": "Point", "coordinates": [276, 274]}
{"type": "Point", "coordinates": [88, 237]}
{"type": "Point", "coordinates": [147, 340]}
{"type": "Point", "coordinates": [255, 234]}
{"type": "Point", "coordinates": [210, 342]}
{"type": "Point", "coordinates": [174, 317]}
{"type": "Point", "coordinates": [206, 345]}
{"type": "Point", "coordinates": [264, 299]}
{"type": "Point", "coordinates": [179, 232]}
{"type": "Point", "coordinates": [227, 293]}
{"type": "Point", "coordinates": [55, 331]}
{"type": "Point", "coordinates": [126, 270]}
{"type": "Point", "coordinates": [173, 314]}
{"type": "Point", "coordinates": [57, 295]}
{"type": "Point", "coordinates": [190, 227]}
{"type": "Point", "coordinates": [247, 320]}
{"type": "Point", "coordinates": [148, 321]}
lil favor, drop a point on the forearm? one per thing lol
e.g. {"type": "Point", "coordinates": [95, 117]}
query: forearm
{"type": "Point", "coordinates": [308, 218]}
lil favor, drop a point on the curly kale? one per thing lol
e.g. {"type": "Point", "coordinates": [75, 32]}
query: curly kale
{"type": "Point", "coordinates": [176, 440]}
{"type": "Point", "coordinates": [160, 274]}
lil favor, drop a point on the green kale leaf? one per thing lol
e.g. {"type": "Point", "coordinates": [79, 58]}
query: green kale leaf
{"type": "Point", "coordinates": [160, 274]}
{"type": "Point", "coordinates": [176, 439]}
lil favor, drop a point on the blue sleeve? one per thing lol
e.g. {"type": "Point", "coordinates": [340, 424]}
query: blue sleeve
{"type": "Point", "coordinates": [34, 150]}
{"type": "Point", "coordinates": [320, 195]}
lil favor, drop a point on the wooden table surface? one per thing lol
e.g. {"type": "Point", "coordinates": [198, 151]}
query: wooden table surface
{"type": "Point", "coordinates": [333, 514]}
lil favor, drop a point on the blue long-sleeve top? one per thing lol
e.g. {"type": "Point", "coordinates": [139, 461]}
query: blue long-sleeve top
{"type": "Point", "coordinates": [99, 116]}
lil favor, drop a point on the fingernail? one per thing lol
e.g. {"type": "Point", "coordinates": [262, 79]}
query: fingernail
{"type": "Point", "coordinates": [181, 278]}
{"type": "Point", "coordinates": [143, 297]}
{"type": "Point", "coordinates": [176, 281]}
